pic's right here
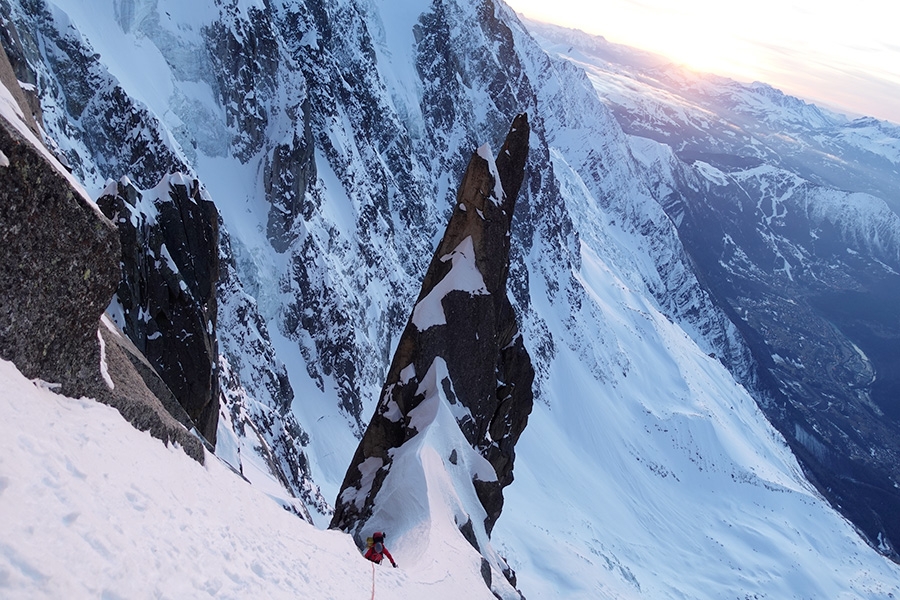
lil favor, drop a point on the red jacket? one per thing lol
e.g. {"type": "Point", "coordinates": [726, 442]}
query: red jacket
{"type": "Point", "coordinates": [377, 552]}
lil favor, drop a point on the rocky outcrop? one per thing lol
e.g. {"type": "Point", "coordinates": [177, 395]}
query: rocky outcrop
{"type": "Point", "coordinates": [58, 270]}
{"type": "Point", "coordinates": [166, 299]}
{"type": "Point", "coordinates": [461, 343]}
{"type": "Point", "coordinates": [181, 302]}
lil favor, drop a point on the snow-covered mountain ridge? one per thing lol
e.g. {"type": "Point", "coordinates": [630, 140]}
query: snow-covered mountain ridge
{"type": "Point", "coordinates": [712, 118]}
{"type": "Point", "coordinates": [640, 445]}
{"type": "Point", "coordinates": [783, 209]}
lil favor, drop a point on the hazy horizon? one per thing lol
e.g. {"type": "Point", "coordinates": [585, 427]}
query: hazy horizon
{"type": "Point", "coordinates": [840, 56]}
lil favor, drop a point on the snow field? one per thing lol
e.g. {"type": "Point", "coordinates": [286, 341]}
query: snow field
{"type": "Point", "coordinates": [662, 479]}
{"type": "Point", "coordinates": [94, 508]}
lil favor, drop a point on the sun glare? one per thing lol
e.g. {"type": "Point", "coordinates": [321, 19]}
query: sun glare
{"type": "Point", "coordinates": [695, 39]}
{"type": "Point", "coordinates": [839, 54]}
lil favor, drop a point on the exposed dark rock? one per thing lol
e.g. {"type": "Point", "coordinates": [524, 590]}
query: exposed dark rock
{"type": "Point", "coordinates": [468, 531]}
{"type": "Point", "coordinates": [117, 343]}
{"type": "Point", "coordinates": [58, 270]}
{"type": "Point", "coordinates": [167, 293]}
{"type": "Point", "coordinates": [489, 371]}
{"type": "Point", "coordinates": [289, 171]}
{"type": "Point", "coordinates": [141, 396]}
{"type": "Point", "coordinates": [27, 104]}
{"type": "Point", "coordinates": [245, 54]}
{"type": "Point", "coordinates": [486, 572]}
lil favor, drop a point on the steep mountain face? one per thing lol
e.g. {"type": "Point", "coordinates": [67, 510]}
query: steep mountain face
{"type": "Point", "coordinates": [461, 353]}
{"type": "Point", "coordinates": [331, 138]}
{"type": "Point", "coordinates": [175, 272]}
{"type": "Point", "coordinates": [264, 441]}
{"type": "Point", "coordinates": [809, 274]}
{"type": "Point", "coordinates": [258, 434]}
{"type": "Point", "coordinates": [59, 270]}
{"type": "Point", "coordinates": [756, 182]}
{"type": "Point", "coordinates": [98, 125]}
{"type": "Point", "coordinates": [166, 299]}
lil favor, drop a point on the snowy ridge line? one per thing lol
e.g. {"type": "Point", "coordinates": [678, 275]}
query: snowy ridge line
{"type": "Point", "coordinates": [11, 114]}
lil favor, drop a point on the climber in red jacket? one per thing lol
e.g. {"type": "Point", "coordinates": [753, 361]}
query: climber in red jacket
{"type": "Point", "coordinates": [377, 551]}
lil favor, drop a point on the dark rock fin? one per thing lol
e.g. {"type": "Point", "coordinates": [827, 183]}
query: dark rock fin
{"type": "Point", "coordinates": [512, 157]}
{"type": "Point", "coordinates": [170, 307]}
{"type": "Point", "coordinates": [479, 343]}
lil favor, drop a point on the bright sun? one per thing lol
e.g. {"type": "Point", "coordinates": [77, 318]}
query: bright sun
{"type": "Point", "coordinates": [702, 35]}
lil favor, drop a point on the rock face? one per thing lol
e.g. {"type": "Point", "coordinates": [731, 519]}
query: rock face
{"type": "Point", "coordinates": [182, 304]}
{"type": "Point", "coordinates": [462, 337]}
{"type": "Point", "coordinates": [58, 270]}
{"type": "Point", "coordinates": [166, 300]}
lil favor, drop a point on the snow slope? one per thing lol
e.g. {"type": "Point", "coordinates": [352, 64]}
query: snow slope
{"type": "Point", "coordinates": [660, 478]}
{"type": "Point", "coordinates": [94, 508]}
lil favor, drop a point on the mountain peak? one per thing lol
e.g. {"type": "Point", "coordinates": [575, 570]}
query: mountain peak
{"type": "Point", "coordinates": [461, 354]}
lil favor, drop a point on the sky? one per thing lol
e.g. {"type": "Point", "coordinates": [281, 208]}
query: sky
{"type": "Point", "coordinates": [842, 55]}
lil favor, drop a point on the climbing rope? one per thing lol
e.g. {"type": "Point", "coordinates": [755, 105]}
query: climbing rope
{"type": "Point", "coordinates": [373, 581]}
